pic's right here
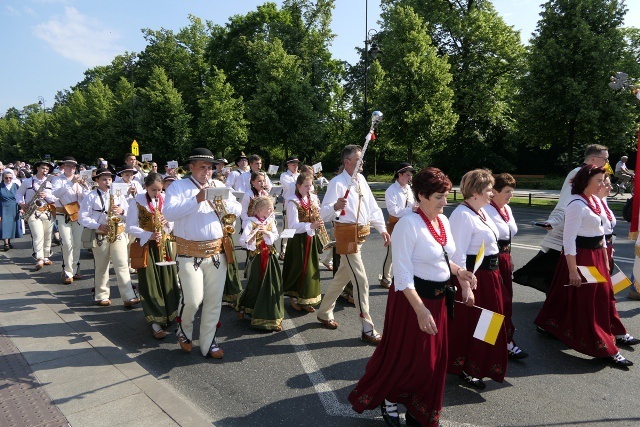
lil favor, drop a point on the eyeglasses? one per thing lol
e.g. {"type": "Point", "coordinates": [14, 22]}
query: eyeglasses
{"type": "Point", "coordinates": [606, 159]}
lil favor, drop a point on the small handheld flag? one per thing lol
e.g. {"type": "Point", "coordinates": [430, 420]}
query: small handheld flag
{"type": "Point", "coordinates": [479, 258]}
{"type": "Point", "coordinates": [488, 326]}
{"type": "Point", "coordinates": [620, 282]}
{"type": "Point", "coordinates": [591, 274]}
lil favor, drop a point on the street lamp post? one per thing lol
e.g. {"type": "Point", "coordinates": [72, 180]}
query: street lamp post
{"type": "Point", "coordinates": [43, 106]}
{"type": "Point", "coordinates": [369, 39]}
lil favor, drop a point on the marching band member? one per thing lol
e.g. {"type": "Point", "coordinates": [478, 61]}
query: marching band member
{"type": "Point", "coordinates": [242, 164]}
{"type": "Point", "coordinates": [400, 202]}
{"type": "Point", "coordinates": [469, 357]}
{"type": "Point", "coordinates": [167, 181]}
{"type": "Point", "coordinates": [500, 213]}
{"type": "Point", "coordinates": [301, 268]}
{"type": "Point", "coordinates": [104, 212]}
{"type": "Point", "coordinates": [157, 284]}
{"type": "Point", "coordinates": [288, 182]}
{"type": "Point", "coordinates": [131, 162]}
{"type": "Point", "coordinates": [232, 284]}
{"type": "Point", "coordinates": [219, 173]}
{"type": "Point", "coordinates": [583, 315]}
{"type": "Point", "coordinates": [126, 176]}
{"type": "Point", "coordinates": [40, 221]}
{"type": "Point", "coordinates": [258, 188]}
{"type": "Point", "coordinates": [262, 298]}
{"type": "Point", "coordinates": [361, 210]}
{"type": "Point", "coordinates": [202, 269]}
{"type": "Point", "coordinates": [69, 189]}
{"type": "Point", "coordinates": [255, 165]}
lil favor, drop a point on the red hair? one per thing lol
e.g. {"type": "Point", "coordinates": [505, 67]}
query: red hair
{"type": "Point", "coordinates": [582, 178]}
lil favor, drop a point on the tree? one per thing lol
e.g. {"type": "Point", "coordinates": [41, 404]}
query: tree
{"type": "Point", "coordinates": [565, 98]}
{"type": "Point", "coordinates": [221, 126]}
{"type": "Point", "coordinates": [486, 57]}
{"type": "Point", "coordinates": [414, 91]}
{"type": "Point", "coordinates": [163, 122]}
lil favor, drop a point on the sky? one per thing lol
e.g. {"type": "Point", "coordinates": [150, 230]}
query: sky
{"type": "Point", "coordinates": [48, 44]}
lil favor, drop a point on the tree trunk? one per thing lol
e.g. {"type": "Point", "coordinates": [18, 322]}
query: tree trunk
{"type": "Point", "coordinates": [572, 136]}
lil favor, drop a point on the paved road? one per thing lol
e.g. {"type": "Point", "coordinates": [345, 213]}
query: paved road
{"type": "Point", "coordinates": [301, 376]}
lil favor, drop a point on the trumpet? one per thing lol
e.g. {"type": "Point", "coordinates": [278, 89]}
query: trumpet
{"type": "Point", "coordinates": [181, 171]}
{"type": "Point", "coordinates": [143, 166]}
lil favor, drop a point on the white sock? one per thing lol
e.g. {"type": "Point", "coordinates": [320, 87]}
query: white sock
{"type": "Point", "coordinates": [156, 327]}
{"type": "Point", "coordinates": [391, 408]}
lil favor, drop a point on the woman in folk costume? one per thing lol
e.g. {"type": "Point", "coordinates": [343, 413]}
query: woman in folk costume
{"type": "Point", "coordinates": [410, 363]}
{"type": "Point", "coordinates": [608, 218]}
{"type": "Point", "coordinates": [232, 285]}
{"type": "Point", "coordinates": [473, 229]}
{"type": "Point", "coordinates": [583, 315]}
{"type": "Point", "coordinates": [10, 223]}
{"type": "Point", "coordinates": [301, 269]}
{"type": "Point", "coordinates": [258, 188]}
{"type": "Point", "coordinates": [400, 202]}
{"type": "Point", "coordinates": [157, 284]}
{"type": "Point", "coordinates": [500, 212]}
{"type": "Point", "coordinates": [262, 298]}
{"type": "Point", "coordinates": [105, 213]}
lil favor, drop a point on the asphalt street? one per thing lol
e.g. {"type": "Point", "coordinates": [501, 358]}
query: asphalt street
{"type": "Point", "coordinates": [302, 375]}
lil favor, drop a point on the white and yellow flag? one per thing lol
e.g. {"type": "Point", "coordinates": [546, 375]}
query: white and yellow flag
{"type": "Point", "coordinates": [620, 282]}
{"type": "Point", "coordinates": [479, 258]}
{"type": "Point", "coordinates": [591, 274]}
{"type": "Point", "coordinates": [488, 326]}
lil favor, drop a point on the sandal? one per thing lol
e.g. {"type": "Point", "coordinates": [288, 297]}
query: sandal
{"type": "Point", "coordinates": [294, 304]}
{"type": "Point", "coordinates": [309, 309]}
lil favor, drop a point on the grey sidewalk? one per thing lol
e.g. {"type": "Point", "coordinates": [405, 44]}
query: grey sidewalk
{"type": "Point", "coordinates": [90, 381]}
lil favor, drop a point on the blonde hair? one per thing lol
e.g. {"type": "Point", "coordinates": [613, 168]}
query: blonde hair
{"type": "Point", "coordinates": [475, 181]}
{"type": "Point", "coordinates": [258, 203]}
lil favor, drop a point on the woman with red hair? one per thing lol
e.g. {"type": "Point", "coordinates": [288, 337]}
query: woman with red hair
{"type": "Point", "coordinates": [583, 314]}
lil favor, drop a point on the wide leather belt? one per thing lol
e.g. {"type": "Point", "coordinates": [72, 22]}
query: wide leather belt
{"type": "Point", "coordinates": [119, 230]}
{"type": "Point", "coordinates": [584, 242]}
{"type": "Point", "coordinates": [489, 262]}
{"type": "Point", "coordinates": [198, 249]}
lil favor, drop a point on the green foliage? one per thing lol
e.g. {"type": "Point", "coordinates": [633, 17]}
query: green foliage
{"type": "Point", "coordinates": [565, 100]}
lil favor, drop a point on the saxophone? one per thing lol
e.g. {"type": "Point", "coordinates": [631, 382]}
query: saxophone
{"type": "Point", "coordinates": [325, 241]}
{"type": "Point", "coordinates": [36, 202]}
{"type": "Point", "coordinates": [226, 221]}
{"type": "Point", "coordinates": [164, 236]}
{"type": "Point", "coordinates": [113, 220]}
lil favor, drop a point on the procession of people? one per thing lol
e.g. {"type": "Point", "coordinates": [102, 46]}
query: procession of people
{"type": "Point", "coordinates": [173, 236]}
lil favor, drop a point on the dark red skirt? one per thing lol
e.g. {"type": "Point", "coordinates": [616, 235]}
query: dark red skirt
{"type": "Point", "coordinates": [471, 355]}
{"type": "Point", "coordinates": [505, 264]}
{"type": "Point", "coordinates": [409, 365]}
{"type": "Point", "coordinates": [583, 318]}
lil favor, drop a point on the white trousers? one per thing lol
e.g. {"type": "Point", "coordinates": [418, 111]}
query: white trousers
{"type": "Point", "coordinates": [201, 284]}
{"type": "Point", "coordinates": [115, 252]}
{"type": "Point", "coordinates": [351, 269]}
{"type": "Point", "coordinates": [71, 236]}
{"type": "Point", "coordinates": [41, 226]}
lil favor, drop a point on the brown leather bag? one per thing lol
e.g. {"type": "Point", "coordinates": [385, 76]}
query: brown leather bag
{"type": "Point", "coordinates": [391, 223]}
{"type": "Point", "coordinates": [346, 236]}
{"type": "Point", "coordinates": [73, 210]}
{"type": "Point", "coordinates": [139, 255]}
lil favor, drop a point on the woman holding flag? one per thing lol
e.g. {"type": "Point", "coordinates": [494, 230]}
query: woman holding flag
{"type": "Point", "coordinates": [581, 313]}
{"type": "Point", "coordinates": [478, 337]}
{"type": "Point", "coordinates": [409, 364]}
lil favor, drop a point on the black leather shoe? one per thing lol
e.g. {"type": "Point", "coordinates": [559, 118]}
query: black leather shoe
{"type": "Point", "coordinates": [620, 362]}
{"type": "Point", "coordinates": [410, 420]}
{"type": "Point", "coordinates": [627, 340]}
{"type": "Point", "coordinates": [473, 382]}
{"type": "Point", "coordinates": [391, 421]}
{"type": "Point", "coordinates": [516, 353]}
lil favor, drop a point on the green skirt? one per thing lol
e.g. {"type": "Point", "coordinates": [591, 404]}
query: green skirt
{"type": "Point", "coordinates": [232, 285]}
{"type": "Point", "coordinates": [306, 288]}
{"type": "Point", "coordinates": [158, 287]}
{"type": "Point", "coordinates": [263, 299]}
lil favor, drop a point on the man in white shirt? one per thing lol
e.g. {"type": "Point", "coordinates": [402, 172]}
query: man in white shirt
{"type": "Point", "coordinates": [233, 179]}
{"type": "Point", "coordinates": [622, 172]}
{"type": "Point", "coordinates": [200, 256]}
{"type": "Point", "coordinates": [255, 165]}
{"type": "Point", "coordinates": [538, 272]}
{"type": "Point", "coordinates": [360, 208]}
{"type": "Point", "coordinates": [69, 189]}
{"type": "Point", "coordinates": [131, 161]}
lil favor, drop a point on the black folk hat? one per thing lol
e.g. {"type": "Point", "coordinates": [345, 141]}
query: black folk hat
{"type": "Point", "coordinates": [203, 154]}
{"type": "Point", "coordinates": [101, 172]}
{"type": "Point", "coordinates": [127, 168]}
{"type": "Point", "coordinates": [67, 159]}
{"type": "Point", "coordinates": [405, 167]}
{"type": "Point", "coordinates": [240, 157]}
{"type": "Point", "coordinates": [292, 159]}
{"type": "Point", "coordinates": [36, 165]}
